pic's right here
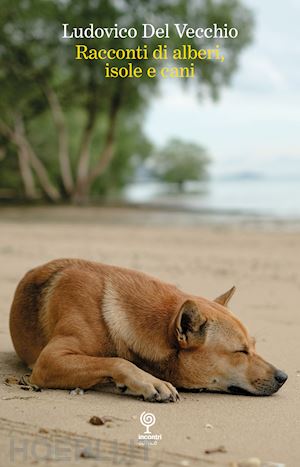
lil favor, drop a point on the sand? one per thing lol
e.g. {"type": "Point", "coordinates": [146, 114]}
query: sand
{"type": "Point", "coordinates": [52, 426]}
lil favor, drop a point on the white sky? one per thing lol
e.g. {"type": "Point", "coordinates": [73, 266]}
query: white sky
{"type": "Point", "coordinates": [256, 123]}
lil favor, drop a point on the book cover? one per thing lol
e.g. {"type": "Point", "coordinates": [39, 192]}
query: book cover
{"type": "Point", "coordinates": [149, 232]}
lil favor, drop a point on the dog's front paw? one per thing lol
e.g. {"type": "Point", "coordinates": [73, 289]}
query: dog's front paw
{"type": "Point", "coordinates": [132, 380]}
{"type": "Point", "coordinates": [154, 391]}
{"type": "Point", "coordinates": [160, 391]}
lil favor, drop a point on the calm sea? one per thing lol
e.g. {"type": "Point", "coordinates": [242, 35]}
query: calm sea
{"type": "Point", "coordinates": [272, 198]}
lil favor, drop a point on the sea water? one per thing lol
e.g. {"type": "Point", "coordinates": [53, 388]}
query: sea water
{"type": "Point", "coordinates": [275, 198]}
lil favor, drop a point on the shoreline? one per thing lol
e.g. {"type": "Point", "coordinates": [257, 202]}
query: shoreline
{"type": "Point", "coordinates": [130, 213]}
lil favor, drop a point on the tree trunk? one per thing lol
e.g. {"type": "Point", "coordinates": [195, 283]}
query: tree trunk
{"type": "Point", "coordinates": [25, 168]}
{"type": "Point", "coordinates": [181, 186]}
{"type": "Point", "coordinates": [63, 140]}
{"type": "Point", "coordinates": [22, 143]}
{"type": "Point", "coordinates": [27, 175]}
{"type": "Point", "coordinates": [81, 194]}
{"type": "Point", "coordinates": [83, 186]}
{"type": "Point", "coordinates": [42, 175]}
{"type": "Point", "coordinates": [23, 158]}
{"type": "Point", "coordinates": [38, 166]}
{"type": "Point", "coordinates": [84, 150]}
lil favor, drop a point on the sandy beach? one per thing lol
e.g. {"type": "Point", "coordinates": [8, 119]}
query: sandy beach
{"type": "Point", "coordinates": [52, 427]}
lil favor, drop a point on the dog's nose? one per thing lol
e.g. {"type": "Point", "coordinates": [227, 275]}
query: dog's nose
{"type": "Point", "coordinates": [280, 377]}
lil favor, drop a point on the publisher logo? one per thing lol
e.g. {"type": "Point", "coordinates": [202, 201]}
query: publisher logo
{"type": "Point", "coordinates": [148, 419]}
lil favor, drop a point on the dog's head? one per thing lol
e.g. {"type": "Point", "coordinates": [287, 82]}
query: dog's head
{"type": "Point", "coordinates": [216, 353]}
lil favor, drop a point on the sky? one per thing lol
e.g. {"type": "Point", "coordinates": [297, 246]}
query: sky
{"type": "Point", "coordinates": [255, 125]}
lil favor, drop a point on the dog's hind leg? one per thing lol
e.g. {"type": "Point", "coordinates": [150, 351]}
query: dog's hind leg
{"type": "Point", "coordinates": [61, 366]}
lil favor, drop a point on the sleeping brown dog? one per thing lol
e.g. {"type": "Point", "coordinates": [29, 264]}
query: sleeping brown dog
{"type": "Point", "coordinates": [78, 323]}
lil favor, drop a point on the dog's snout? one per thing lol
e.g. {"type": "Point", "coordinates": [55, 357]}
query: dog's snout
{"type": "Point", "coordinates": [280, 377]}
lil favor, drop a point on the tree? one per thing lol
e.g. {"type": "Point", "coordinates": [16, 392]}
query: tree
{"type": "Point", "coordinates": [53, 108]}
{"type": "Point", "coordinates": [178, 162]}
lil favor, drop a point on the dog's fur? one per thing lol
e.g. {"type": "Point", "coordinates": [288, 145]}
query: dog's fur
{"type": "Point", "coordinates": [78, 323]}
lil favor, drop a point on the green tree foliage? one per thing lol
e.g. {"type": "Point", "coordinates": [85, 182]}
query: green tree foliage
{"type": "Point", "coordinates": [178, 162]}
{"type": "Point", "coordinates": [70, 131]}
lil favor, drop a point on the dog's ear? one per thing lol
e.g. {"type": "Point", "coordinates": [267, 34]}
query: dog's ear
{"type": "Point", "coordinates": [189, 325]}
{"type": "Point", "coordinates": [224, 299]}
